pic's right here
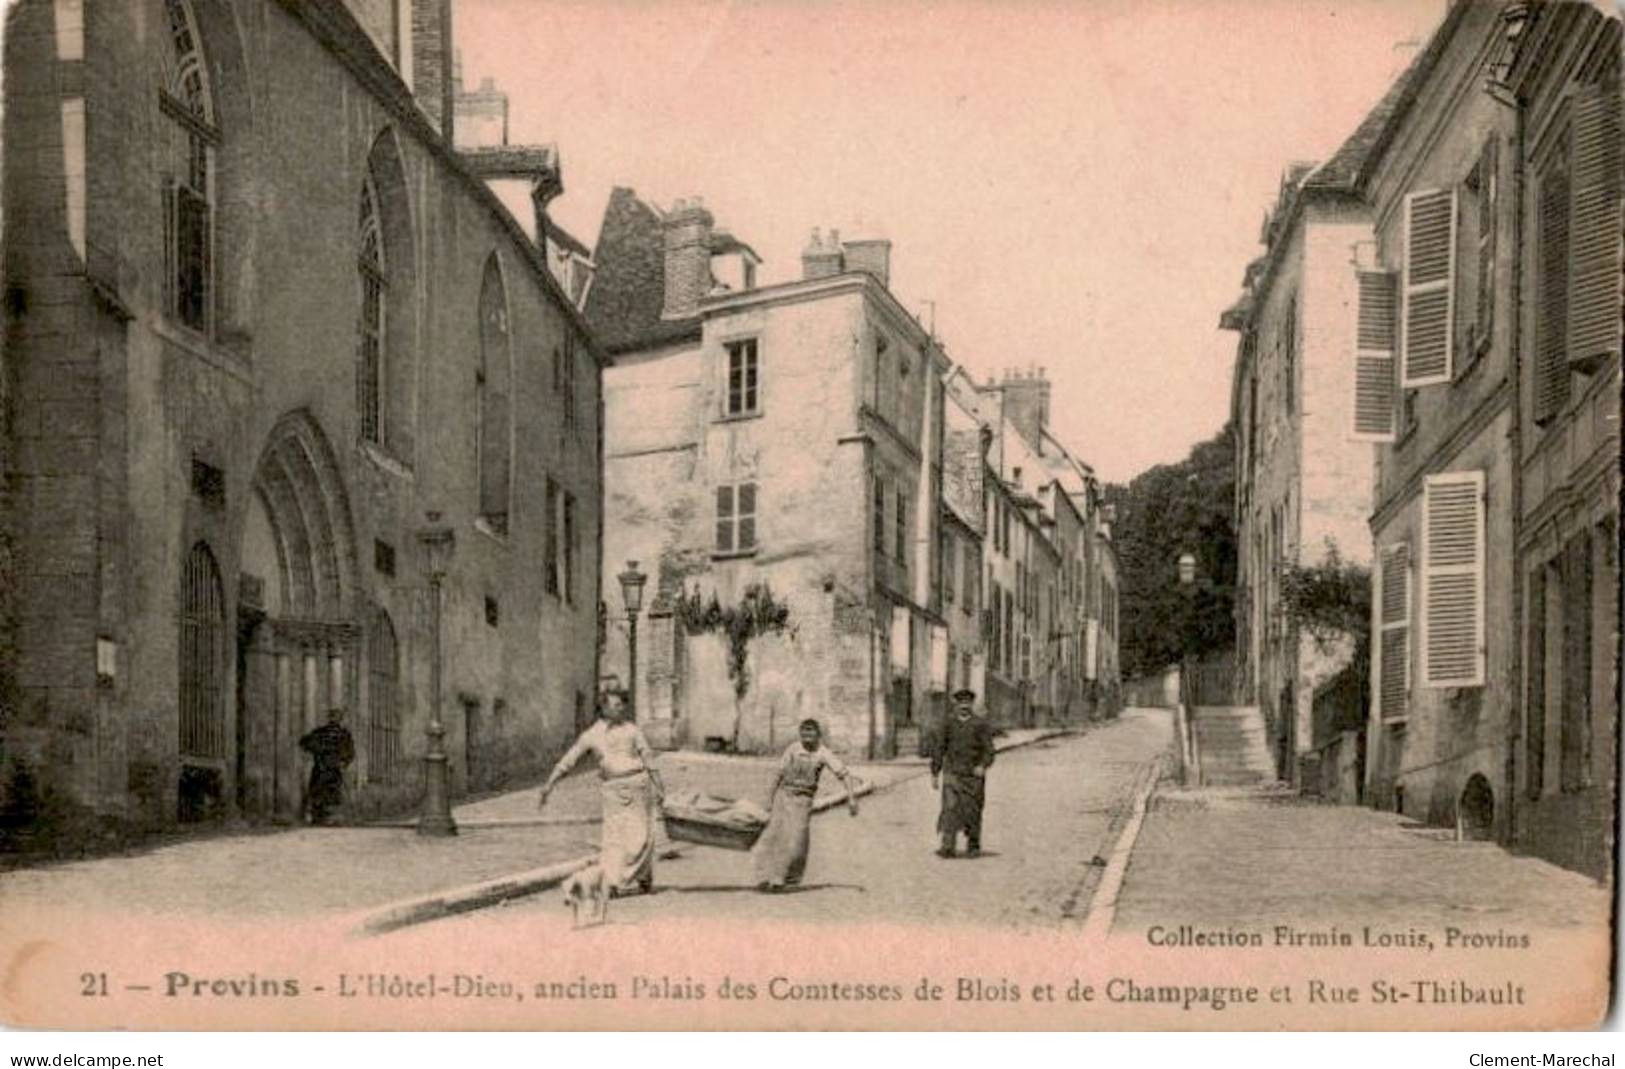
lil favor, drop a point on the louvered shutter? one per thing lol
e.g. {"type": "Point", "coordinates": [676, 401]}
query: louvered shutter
{"type": "Point", "coordinates": [1374, 356]}
{"type": "Point", "coordinates": [1430, 270]}
{"type": "Point", "coordinates": [1594, 230]}
{"type": "Point", "coordinates": [1552, 290]}
{"type": "Point", "coordinates": [1453, 580]}
{"type": "Point", "coordinates": [1394, 630]}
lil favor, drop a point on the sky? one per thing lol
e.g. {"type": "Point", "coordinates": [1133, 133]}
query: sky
{"type": "Point", "coordinates": [1072, 186]}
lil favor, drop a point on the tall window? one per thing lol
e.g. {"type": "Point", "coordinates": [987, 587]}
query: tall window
{"type": "Point", "coordinates": [743, 370]}
{"type": "Point", "coordinates": [736, 518]}
{"type": "Point", "coordinates": [374, 307]}
{"type": "Point", "coordinates": [203, 658]}
{"type": "Point", "coordinates": [191, 136]}
{"type": "Point", "coordinates": [1575, 739]}
{"type": "Point", "coordinates": [902, 529]}
{"type": "Point", "coordinates": [569, 547]}
{"type": "Point", "coordinates": [493, 411]}
{"type": "Point", "coordinates": [550, 542]}
{"type": "Point", "coordinates": [383, 711]}
{"type": "Point", "coordinates": [949, 566]}
{"type": "Point", "coordinates": [880, 517]}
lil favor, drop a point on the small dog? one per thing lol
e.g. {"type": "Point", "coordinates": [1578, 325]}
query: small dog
{"type": "Point", "coordinates": [585, 888]}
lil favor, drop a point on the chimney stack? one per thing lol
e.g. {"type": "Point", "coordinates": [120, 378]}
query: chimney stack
{"type": "Point", "coordinates": [688, 258]}
{"type": "Point", "coordinates": [433, 83]}
{"type": "Point", "coordinates": [1026, 402]}
{"type": "Point", "coordinates": [821, 259]}
{"type": "Point", "coordinates": [872, 255]}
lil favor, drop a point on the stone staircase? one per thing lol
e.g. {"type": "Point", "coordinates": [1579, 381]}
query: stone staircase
{"type": "Point", "coordinates": [1231, 746]}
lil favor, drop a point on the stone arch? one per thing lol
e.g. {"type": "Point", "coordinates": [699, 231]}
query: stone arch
{"type": "Point", "coordinates": [385, 192]}
{"type": "Point", "coordinates": [300, 493]}
{"type": "Point", "coordinates": [1475, 810]}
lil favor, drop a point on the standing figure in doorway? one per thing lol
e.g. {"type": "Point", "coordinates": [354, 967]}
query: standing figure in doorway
{"type": "Point", "coordinates": [631, 791]}
{"type": "Point", "coordinates": [331, 750]}
{"type": "Point", "coordinates": [959, 763]}
{"type": "Point", "coordinates": [780, 855]}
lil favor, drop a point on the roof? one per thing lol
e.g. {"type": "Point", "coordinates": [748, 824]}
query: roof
{"type": "Point", "coordinates": [722, 242]}
{"type": "Point", "coordinates": [629, 288]}
{"type": "Point", "coordinates": [564, 238]}
{"type": "Point", "coordinates": [511, 161]}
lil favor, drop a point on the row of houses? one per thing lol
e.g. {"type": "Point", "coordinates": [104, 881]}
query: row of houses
{"type": "Point", "coordinates": [1427, 379]}
{"type": "Point", "coordinates": [306, 401]}
{"type": "Point", "coordinates": [806, 451]}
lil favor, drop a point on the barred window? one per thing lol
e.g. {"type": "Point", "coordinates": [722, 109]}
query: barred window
{"type": "Point", "coordinates": [202, 658]}
{"type": "Point", "coordinates": [383, 712]}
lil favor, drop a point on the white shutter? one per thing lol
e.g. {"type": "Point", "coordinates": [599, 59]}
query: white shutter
{"type": "Point", "coordinates": [1453, 580]}
{"type": "Point", "coordinates": [1594, 230]}
{"type": "Point", "coordinates": [1375, 300]}
{"type": "Point", "coordinates": [1430, 275]}
{"type": "Point", "coordinates": [1393, 660]}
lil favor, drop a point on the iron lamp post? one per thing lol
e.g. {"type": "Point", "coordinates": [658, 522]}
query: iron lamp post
{"type": "Point", "coordinates": [438, 542]}
{"type": "Point", "coordinates": [632, 581]}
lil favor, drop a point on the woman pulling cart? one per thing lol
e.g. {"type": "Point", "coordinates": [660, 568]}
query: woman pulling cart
{"type": "Point", "coordinates": [632, 792]}
{"type": "Point", "coordinates": [780, 855]}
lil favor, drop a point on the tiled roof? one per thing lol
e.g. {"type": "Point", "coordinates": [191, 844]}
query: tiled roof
{"type": "Point", "coordinates": [629, 287]}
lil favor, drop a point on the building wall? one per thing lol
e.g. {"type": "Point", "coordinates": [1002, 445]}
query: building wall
{"type": "Point", "coordinates": [812, 450]}
{"type": "Point", "coordinates": [116, 401]}
{"type": "Point", "coordinates": [1570, 495]}
{"type": "Point", "coordinates": [1423, 764]}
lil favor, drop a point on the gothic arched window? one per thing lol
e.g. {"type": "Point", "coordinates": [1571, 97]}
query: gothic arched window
{"type": "Point", "coordinates": [493, 410]}
{"type": "Point", "coordinates": [371, 370]}
{"type": "Point", "coordinates": [188, 148]}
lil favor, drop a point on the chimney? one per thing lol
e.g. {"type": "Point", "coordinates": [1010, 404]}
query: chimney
{"type": "Point", "coordinates": [1026, 402]}
{"type": "Point", "coordinates": [688, 258]}
{"type": "Point", "coordinates": [821, 259]}
{"type": "Point", "coordinates": [432, 63]}
{"type": "Point", "coordinates": [872, 255]}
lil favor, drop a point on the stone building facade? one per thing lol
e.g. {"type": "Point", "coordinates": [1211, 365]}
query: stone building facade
{"type": "Point", "coordinates": [783, 439]}
{"type": "Point", "coordinates": [268, 338]}
{"type": "Point", "coordinates": [1445, 642]}
{"type": "Point", "coordinates": [1564, 77]}
{"type": "Point", "coordinates": [1303, 464]}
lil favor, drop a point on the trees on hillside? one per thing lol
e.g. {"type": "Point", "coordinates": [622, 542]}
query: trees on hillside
{"type": "Point", "coordinates": [1164, 512]}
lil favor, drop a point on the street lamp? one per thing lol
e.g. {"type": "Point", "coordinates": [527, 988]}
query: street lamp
{"type": "Point", "coordinates": [632, 582]}
{"type": "Point", "coordinates": [438, 541]}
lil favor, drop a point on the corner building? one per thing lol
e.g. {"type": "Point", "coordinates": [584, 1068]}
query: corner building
{"type": "Point", "coordinates": [265, 334]}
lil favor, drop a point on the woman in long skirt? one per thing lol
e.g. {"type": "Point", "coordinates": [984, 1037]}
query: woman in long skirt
{"type": "Point", "coordinates": [631, 795]}
{"type": "Point", "coordinates": [780, 855]}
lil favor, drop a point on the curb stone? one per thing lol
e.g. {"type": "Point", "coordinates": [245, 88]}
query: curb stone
{"type": "Point", "coordinates": [471, 897]}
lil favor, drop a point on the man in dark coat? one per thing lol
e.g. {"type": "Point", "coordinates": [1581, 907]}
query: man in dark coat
{"type": "Point", "coordinates": [960, 761]}
{"type": "Point", "coordinates": [331, 750]}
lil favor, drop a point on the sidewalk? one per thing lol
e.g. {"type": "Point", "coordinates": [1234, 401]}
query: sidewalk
{"type": "Point", "coordinates": [505, 847]}
{"type": "Point", "coordinates": [1263, 857]}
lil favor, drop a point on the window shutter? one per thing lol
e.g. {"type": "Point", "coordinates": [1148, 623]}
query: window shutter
{"type": "Point", "coordinates": [1430, 269]}
{"type": "Point", "coordinates": [1394, 630]}
{"type": "Point", "coordinates": [1374, 356]}
{"type": "Point", "coordinates": [747, 515]}
{"type": "Point", "coordinates": [1594, 228]}
{"type": "Point", "coordinates": [725, 518]}
{"type": "Point", "coordinates": [1552, 300]}
{"type": "Point", "coordinates": [1453, 580]}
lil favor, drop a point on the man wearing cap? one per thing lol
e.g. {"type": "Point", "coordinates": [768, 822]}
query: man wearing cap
{"type": "Point", "coordinates": [959, 762]}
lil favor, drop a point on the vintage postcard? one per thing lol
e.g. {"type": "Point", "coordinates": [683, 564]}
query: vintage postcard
{"type": "Point", "coordinates": [809, 515]}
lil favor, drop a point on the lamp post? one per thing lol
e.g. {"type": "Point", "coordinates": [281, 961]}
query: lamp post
{"type": "Point", "coordinates": [1187, 638]}
{"type": "Point", "coordinates": [438, 541]}
{"type": "Point", "coordinates": [632, 582]}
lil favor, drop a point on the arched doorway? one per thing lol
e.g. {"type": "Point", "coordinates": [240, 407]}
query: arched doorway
{"type": "Point", "coordinates": [297, 636]}
{"type": "Point", "coordinates": [1475, 811]}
